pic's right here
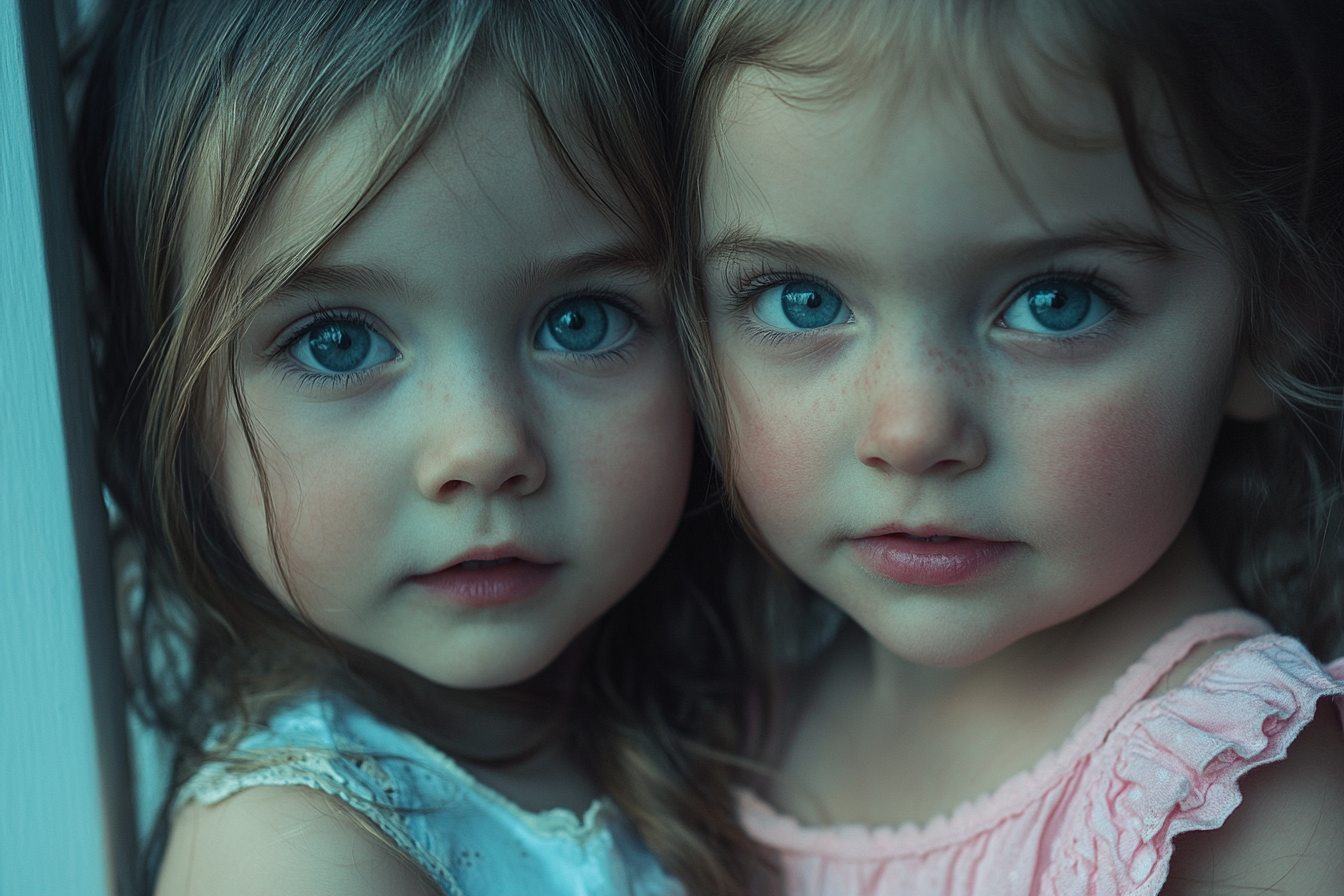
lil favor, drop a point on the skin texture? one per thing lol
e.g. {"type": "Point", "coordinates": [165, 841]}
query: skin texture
{"type": "Point", "coordinates": [470, 434]}
{"type": "Point", "coordinates": [465, 428]}
{"type": "Point", "coordinates": [296, 841]}
{"type": "Point", "coordinates": [934, 402]}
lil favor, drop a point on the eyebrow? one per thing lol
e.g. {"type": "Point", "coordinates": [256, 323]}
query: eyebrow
{"type": "Point", "coordinates": [621, 258]}
{"type": "Point", "coordinates": [1112, 236]}
{"type": "Point", "coordinates": [745, 242]}
{"type": "Point", "coordinates": [341, 278]}
{"type": "Point", "coordinates": [364, 278]}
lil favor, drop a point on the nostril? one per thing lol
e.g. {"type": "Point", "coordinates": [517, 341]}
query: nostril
{"type": "Point", "coordinates": [518, 481]}
{"type": "Point", "coordinates": [450, 486]}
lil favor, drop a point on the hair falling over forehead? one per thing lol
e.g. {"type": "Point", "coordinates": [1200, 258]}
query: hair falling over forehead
{"type": "Point", "coordinates": [195, 113]}
{"type": "Point", "coordinates": [1252, 92]}
{"type": "Point", "coordinates": [219, 123]}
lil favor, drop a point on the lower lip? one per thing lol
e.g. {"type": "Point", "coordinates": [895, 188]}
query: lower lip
{"type": "Point", "coordinates": [930, 563]}
{"type": "Point", "coordinates": [488, 586]}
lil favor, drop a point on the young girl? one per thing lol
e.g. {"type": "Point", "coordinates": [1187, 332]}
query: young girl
{"type": "Point", "coordinates": [1019, 329]}
{"type": "Point", "coordinates": [392, 403]}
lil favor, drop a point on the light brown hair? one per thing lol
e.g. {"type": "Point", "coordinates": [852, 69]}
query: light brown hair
{"type": "Point", "coordinates": [194, 113]}
{"type": "Point", "coordinates": [1253, 90]}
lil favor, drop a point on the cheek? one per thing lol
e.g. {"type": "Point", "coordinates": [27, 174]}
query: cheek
{"type": "Point", "coordinates": [784, 441]}
{"type": "Point", "coordinates": [1121, 471]}
{"type": "Point", "coordinates": [322, 497]}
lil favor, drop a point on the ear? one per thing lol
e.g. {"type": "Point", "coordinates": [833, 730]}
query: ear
{"type": "Point", "coordinates": [1249, 400]}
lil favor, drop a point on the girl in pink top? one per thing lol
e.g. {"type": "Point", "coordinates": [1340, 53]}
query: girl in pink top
{"type": "Point", "coordinates": [1018, 327]}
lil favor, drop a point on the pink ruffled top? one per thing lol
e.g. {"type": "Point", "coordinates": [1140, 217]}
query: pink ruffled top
{"type": "Point", "coordinates": [1097, 816]}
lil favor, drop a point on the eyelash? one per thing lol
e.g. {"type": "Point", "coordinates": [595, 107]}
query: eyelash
{"type": "Point", "coordinates": [611, 355]}
{"type": "Point", "coordinates": [335, 381]}
{"type": "Point", "coordinates": [744, 290]}
{"type": "Point", "coordinates": [312, 378]}
{"type": "Point", "coordinates": [1085, 277]}
{"type": "Point", "coordinates": [747, 288]}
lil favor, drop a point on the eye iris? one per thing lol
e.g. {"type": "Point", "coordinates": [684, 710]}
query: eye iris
{"type": "Point", "coordinates": [340, 347]}
{"type": "Point", "coordinates": [578, 325]}
{"type": "Point", "coordinates": [808, 306]}
{"type": "Point", "coordinates": [1059, 306]}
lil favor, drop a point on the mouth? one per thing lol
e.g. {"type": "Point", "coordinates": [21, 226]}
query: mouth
{"type": "Point", "coordinates": [928, 557]}
{"type": "Point", "coordinates": [487, 578]}
{"type": "Point", "coordinates": [487, 564]}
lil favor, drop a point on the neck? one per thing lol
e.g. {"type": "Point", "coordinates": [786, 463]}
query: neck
{"type": "Point", "coordinates": [511, 739]}
{"type": "Point", "coordinates": [489, 725]}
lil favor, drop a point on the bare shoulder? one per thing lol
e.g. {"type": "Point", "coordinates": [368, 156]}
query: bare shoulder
{"type": "Point", "coordinates": [1286, 837]}
{"type": "Point", "coordinates": [290, 840]}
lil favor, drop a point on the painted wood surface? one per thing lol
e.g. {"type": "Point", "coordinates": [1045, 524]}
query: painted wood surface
{"type": "Point", "coordinates": [65, 820]}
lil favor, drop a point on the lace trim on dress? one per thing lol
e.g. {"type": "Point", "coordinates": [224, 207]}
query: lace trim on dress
{"type": "Point", "coordinates": [557, 822]}
{"type": "Point", "coordinates": [1013, 796]}
{"type": "Point", "coordinates": [286, 767]}
{"type": "Point", "coordinates": [314, 753]}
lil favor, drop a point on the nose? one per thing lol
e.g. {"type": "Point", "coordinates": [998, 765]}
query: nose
{"type": "Point", "coordinates": [920, 421]}
{"type": "Point", "coordinates": [481, 440]}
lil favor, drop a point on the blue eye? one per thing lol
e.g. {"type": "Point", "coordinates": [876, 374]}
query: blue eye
{"type": "Point", "coordinates": [340, 346]}
{"type": "Point", "coordinates": [583, 325]}
{"type": "Point", "coordinates": [800, 305]}
{"type": "Point", "coordinates": [1056, 306]}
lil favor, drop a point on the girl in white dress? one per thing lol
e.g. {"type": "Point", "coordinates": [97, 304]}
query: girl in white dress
{"type": "Point", "coordinates": [392, 402]}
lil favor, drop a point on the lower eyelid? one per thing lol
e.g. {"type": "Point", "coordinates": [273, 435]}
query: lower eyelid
{"type": "Point", "coordinates": [316, 378]}
{"type": "Point", "coordinates": [772, 336]}
{"type": "Point", "coordinates": [633, 323]}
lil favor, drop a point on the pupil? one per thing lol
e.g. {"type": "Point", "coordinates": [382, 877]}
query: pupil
{"type": "Point", "coordinates": [808, 305]}
{"type": "Point", "coordinates": [1060, 306]}
{"type": "Point", "coordinates": [578, 325]}
{"type": "Point", "coordinates": [340, 347]}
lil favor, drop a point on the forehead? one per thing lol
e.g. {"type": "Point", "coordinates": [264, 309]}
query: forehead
{"type": "Point", "coordinates": [950, 162]}
{"type": "Point", "coordinates": [485, 185]}
{"type": "Point", "coordinates": [305, 205]}
{"type": "Point", "coordinates": [490, 138]}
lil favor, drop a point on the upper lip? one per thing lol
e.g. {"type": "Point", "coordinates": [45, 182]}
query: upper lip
{"type": "Point", "coordinates": [923, 531]}
{"type": "Point", "coordinates": [492, 552]}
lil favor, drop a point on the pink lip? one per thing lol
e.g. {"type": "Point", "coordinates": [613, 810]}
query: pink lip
{"type": "Point", "coordinates": [515, 579]}
{"type": "Point", "coordinates": [901, 556]}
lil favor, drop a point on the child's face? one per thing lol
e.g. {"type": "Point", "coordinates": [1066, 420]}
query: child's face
{"type": "Point", "coordinates": [470, 407]}
{"type": "Point", "coordinates": [911, 352]}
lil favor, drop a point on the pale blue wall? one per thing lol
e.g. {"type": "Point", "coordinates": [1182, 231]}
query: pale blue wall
{"type": "Point", "coordinates": [63, 809]}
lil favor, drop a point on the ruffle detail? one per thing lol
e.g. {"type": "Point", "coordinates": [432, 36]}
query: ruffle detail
{"type": "Point", "coordinates": [1173, 765]}
{"type": "Point", "coordinates": [360, 782]}
{"type": "Point", "coordinates": [1020, 796]}
{"type": "Point", "coordinates": [1098, 815]}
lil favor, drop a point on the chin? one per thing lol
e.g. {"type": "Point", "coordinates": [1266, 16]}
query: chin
{"type": "Point", "coordinates": [487, 671]}
{"type": "Point", "coordinates": [943, 641]}
{"type": "Point", "coordinates": [953, 653]}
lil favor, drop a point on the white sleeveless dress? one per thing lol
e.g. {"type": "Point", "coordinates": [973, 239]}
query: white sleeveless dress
{"type": "Point", "coordinates": [470, 839]}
